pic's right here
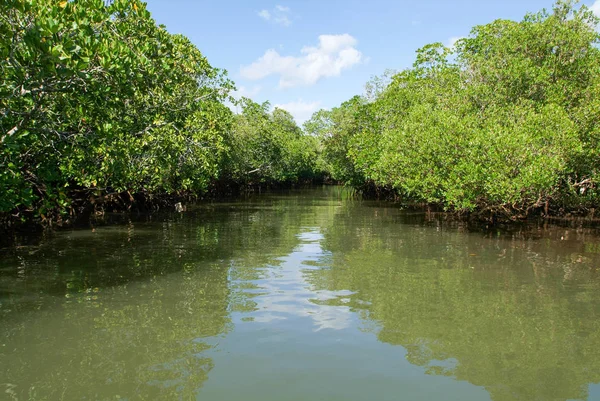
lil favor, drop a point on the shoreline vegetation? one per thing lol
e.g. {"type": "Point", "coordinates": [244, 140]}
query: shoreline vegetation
{"type": "Point", "coordinates": [103, 109]}
{"type": "Point", "coordinates": [502, 125]}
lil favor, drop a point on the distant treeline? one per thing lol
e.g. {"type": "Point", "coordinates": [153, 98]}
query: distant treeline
{"type": "Point", "coordinates": [505, 122]}
{"type": "Point", "coordinates": [97, 101]}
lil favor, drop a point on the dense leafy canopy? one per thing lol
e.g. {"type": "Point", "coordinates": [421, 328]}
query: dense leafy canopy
{"type": "Point", "coordinates": [269, 146]}
{"type": "Point", "coordinates": [505, 121]}
{"type": "Point", "coordinates": [97, 99]}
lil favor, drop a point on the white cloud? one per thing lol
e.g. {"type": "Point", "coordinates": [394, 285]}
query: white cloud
{"type": "Point", "coordinates": [283, 20]}
{"type": "Point", "coordinates": [300, 109]}
{"type": "Point", "coordinates": [243, 91]}
{"type": "Point", "coordinates": [452, 41]}
{"type": "Point", "coordinates": [264, 14]}
{"type": "Point", "coordinates": [333, 54]}
{"type": "Point", "coordinates": [595, 8]}
{"type": "Point", "coordinates": [278, 15]}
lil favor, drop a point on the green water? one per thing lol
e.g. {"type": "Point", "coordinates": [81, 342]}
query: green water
{"type": "Point", "coordinates": [303, 295]}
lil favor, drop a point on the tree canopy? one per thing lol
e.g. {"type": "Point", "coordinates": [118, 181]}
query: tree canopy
{"type": "Point", "coordinates": [98, 99]}
{"type": "Point", "coordinates": [505, 121]}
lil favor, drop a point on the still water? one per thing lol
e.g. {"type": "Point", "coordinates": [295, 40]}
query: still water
{"type": "Point", "coordinates": [302, 295]}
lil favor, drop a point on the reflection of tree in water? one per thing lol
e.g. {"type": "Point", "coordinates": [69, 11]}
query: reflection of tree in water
{"type": "Point", "coordinates": [131, 311]}
{"type": "Point", "coordinates": [128, 310]}
{"type": "Point", "coordinates": [515, 315]}
{"type": "Point", "coordinates": [141, 341]}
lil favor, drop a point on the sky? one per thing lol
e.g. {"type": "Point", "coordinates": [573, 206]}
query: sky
{"type": "Point", "coordinates": [304, 55]}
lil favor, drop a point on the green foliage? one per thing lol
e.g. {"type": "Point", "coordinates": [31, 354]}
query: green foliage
{"type": "Point", "coordinates": [335, 128]}
{"type": "Point", "coordinates": [95, 97]}
{"type": "Point", "coordinates": [270, 147]}
{"type": "Point", "coordinates": [507, 120]}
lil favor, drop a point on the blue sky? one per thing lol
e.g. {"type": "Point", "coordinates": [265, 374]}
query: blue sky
{"type": "Point", "coordinates": [303, 55]}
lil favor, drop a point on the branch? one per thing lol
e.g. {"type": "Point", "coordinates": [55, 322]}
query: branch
{"type": "Point", "coordinates": [9, 133]}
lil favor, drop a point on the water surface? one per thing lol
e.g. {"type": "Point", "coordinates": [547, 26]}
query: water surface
{"type": "Point", "coordinates": [302, 295]}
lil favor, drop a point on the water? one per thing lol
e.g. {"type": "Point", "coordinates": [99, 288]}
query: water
{"type": "Point", "coordinates": [306, 295]}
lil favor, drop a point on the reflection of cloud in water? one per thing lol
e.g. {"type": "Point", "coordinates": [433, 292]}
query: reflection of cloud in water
{"type": "Point", "coordinates": [285, 294]}
{"type": "Point", "coordinates": [332, 317]}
